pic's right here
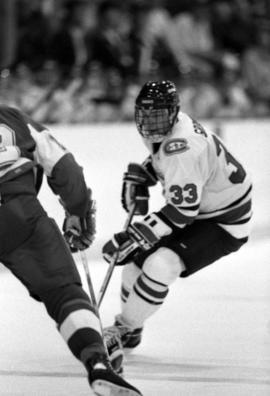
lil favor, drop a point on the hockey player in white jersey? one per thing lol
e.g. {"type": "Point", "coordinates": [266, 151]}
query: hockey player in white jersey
{"type": "Point", "coordinates": [206, 213]}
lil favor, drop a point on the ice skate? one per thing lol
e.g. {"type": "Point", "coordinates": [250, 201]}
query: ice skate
{"type": "Point", "coordinates": [118, 338]}
{"type": "Point", "coordinates": [105, 382]}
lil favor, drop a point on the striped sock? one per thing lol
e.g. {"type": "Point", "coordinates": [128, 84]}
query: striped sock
{"type": "Point", "coordinates": [144, 300]}
{"type": "Point", "coordinates": [80, 328]}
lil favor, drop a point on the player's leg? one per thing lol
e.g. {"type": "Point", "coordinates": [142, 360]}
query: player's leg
{"type": "Point", "coordinates": [78, 324]}
{"type": "Point", "coordinates": [142, 293]}
{"type": "Point", "coordinates": [129, 275]}
{"type": "Point", "coordinates": [151, 287]}
{"type": "Point", "coordinates": [46, 267]}
{"type": "Point", "coordinates": [190, 250]}
{"type": "Point", "coordinates": [112, 334]}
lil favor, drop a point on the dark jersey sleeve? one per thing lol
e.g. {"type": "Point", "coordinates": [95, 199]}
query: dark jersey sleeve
{"type": "Point", "coordinates": [67, 181]}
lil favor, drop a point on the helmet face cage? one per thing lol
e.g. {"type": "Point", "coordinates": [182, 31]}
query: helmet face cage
{"type": "Point", "coordinates": [155, 124]}
{"type": "Point", "coordinates": [156, 110]}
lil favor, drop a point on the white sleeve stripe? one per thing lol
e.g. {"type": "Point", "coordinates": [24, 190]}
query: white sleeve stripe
{"type": "Point", "coordinates": [48, 151]}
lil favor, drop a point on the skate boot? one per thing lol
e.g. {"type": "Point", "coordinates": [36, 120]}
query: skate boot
{"type": "Point", "coordinates": [119, 337]}
{"type": "Point", "coordinates": [104, 381]}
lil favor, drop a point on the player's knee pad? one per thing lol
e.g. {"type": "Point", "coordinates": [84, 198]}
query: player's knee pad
{"type": "Point", "coordinates": [130, 273]}
{"type": "Point", "coordinates": [60, 302]}
{"type": "Point", "coordinates": [164, 266]}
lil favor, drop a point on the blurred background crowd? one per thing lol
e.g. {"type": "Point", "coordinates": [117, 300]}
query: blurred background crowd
{"type": "Point", "coordinates": [80, 61]}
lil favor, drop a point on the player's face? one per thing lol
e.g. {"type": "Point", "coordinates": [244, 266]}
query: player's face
{"type": "Point", "coordinates": [153, 124]}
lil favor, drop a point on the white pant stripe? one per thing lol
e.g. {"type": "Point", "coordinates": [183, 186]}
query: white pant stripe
{"type": "Point", "coordinates": [78, 320]}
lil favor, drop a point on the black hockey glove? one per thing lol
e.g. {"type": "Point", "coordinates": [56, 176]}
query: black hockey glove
{"type": "Point", "coordinates": [135, 188]}
{"type": "Point", "coordinates": [139, 237]}
{"type": "Point", "coordinates": [79, 232]}
{"type": "Point", "coordinates": [120, 248]}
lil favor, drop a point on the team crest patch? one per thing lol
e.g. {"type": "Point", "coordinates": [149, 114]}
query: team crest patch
{"type": "Point", "coordinates": [176, 146]}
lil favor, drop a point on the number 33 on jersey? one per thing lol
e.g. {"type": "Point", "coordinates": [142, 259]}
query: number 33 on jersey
{"type": "Point", "coordinates": [202, 179]}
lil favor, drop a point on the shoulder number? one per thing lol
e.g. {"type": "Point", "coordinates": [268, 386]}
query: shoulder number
{"type": "Point", "coordinates": [237, 176]}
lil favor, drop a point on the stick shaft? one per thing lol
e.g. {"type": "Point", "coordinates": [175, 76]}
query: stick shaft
{"type": "Point", "coordinates": [109, 273]}
{"type": "Point", "coordinates": [92, 296]}
{"type": "Point", "coordinates": [88, 278]}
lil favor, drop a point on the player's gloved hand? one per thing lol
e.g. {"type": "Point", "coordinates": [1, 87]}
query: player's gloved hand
{"type": "Point", "coordinates": [135, 188]}
{"type": "Point", "coordinates": [139, 237]}
{"type": "Point", "coordinates": [120, 248]}
{"type": "Point", "coordinates": [79, 232]}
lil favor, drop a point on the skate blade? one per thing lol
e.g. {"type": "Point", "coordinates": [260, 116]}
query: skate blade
{"type": "Point", "coordinates": [105, 388]}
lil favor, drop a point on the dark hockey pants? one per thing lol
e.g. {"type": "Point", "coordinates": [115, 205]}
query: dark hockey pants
{"type": "Point", "coordinates": [198, 245]}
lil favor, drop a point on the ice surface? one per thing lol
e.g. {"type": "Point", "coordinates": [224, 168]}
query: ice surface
{"type": "Point", "coordinates": [212, 335]}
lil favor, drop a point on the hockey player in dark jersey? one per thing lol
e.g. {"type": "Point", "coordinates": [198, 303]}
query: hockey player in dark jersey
{"type": "Point", "coordinates": [206, 214]}
{"type": "Point", "coordinates": [33, 248]}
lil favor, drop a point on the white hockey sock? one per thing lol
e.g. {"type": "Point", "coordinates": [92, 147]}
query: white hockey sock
{"type": "Point", "coordinates": [130, 274]}
{"type": "Point", "coordinates": [144, 300]}
{"type": "Point", "coordinates": [144, 292]}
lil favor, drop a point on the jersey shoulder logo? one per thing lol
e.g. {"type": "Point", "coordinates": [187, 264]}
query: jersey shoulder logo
{"type": "Point", "coordinates": [174, 146]}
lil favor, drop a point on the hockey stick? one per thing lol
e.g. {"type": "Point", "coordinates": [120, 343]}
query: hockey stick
{"type": "Point", "coordinates": [89, 281]}
{"type": "Point", "coordinates": [109, 273]}
{"type": "Point", "coordinates": [93, 297]}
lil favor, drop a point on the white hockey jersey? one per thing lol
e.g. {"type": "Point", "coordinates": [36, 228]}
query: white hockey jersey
{"type": "Point", "coordinates": [201, 179]}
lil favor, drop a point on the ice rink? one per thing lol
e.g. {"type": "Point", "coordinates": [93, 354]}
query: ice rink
{"type": "Point", "coordinates": [212, 335]}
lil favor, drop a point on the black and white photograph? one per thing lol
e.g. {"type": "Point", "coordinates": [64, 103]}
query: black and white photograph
{"type": "Point", "coordinates": [135, 197]}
